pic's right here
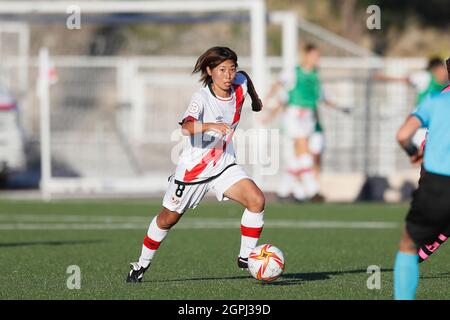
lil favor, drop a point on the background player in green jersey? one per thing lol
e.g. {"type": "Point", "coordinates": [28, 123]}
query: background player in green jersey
{"type": "Point", "coordinates": [302, 92]}
{"type": "Point", "coordinates": [427, 83]}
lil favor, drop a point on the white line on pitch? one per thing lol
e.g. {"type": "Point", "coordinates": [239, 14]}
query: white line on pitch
{"type": "Point", "coordinates": [72, 218]}
{"type": "Point", "coordinates": [204, 224]}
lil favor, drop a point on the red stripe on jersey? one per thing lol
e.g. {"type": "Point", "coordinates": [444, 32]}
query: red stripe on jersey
{"type": "Point", "coordinates": [239, 102]}
{"type": "Point", "coordinates": [190, 175]}
{"type": "Point", "coordinates": [150, 243]}
{"type": "Point", "coordinates": [187, 119]}
{"type": "Point", "coordinates": [251, 232]}
{"type": "Point", "coordinates": [447, 89]}
{"type": "Point", "coordinates": [237, 116]}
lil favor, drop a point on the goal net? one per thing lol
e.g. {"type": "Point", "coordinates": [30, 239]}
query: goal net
{"type": "Point", "coordinates": [109, 117]}
{"type": "Point", "coordinates": [110, 93]}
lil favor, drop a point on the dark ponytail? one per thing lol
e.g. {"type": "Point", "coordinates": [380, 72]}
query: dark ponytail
{"type": "Point", "coordinates": [212, 58]}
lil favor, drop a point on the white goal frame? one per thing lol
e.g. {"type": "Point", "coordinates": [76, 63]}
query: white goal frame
{"type": "Point", "coordinates": [257, 13]}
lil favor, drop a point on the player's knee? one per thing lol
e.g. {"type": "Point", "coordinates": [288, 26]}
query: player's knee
{"type": "Point", "coordinates": [256, 202]}
{"type": "Point", "coordinates": [408, 247]}
{"type": "Point", "coordinates": [167, 219]}
{"type": "Point", "coordinates": [407, 244]}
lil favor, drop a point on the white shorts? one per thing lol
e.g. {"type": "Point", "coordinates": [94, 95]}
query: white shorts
{"type": "Point", "coordinates": [316, 143]}
{"type": "Point", "coordinates": [180, 197]}
{"type": "Point", "coordinates": [299, 122]}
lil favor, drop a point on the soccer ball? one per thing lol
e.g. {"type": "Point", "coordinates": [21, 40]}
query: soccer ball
{"type": "Point", "coordinates": [266, 262]}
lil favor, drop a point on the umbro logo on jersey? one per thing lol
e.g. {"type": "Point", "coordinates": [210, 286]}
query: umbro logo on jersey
{"type": "Point", "coordinates": [219, 118]}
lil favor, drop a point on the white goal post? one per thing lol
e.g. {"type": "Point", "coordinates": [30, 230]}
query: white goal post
{"type": "Point", "coordinates": [109, 120]}
{"type": "Point", "coordinates": [56, 185]}
{"type": "Point", "coordinates": [255, 8]}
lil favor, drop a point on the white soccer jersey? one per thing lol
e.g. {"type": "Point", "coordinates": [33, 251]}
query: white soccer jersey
{"type": "Point", "coordinates": [208, 154]}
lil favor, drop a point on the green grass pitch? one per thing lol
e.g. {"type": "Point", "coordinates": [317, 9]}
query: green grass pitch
{"type": "Point", "coordinates": [327, 247]}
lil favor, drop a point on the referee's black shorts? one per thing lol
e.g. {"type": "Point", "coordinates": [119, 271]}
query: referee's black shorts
{"type": "Point", "coordinates": [429, 214]}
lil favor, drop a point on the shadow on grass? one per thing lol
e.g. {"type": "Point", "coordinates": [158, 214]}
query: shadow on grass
{"type": "Point", "coordinates": [47, 243]}
{"type": "Point", "coordinates": [445, 275]}
{"type": "Point", "coordinates": [288, 279]}
{"type": "Point", "coordinates": [299, 278]}
{"type": "Point", "coordinates": [201, 279]}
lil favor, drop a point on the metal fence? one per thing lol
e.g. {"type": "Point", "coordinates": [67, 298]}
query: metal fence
{"type": "Point", "coordinates": [116, 118]}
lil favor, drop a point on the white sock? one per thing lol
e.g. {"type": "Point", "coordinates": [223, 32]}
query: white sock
{"type": "Point", "coordinates": [251, 227]}
{"type": "Point", "coordinates": [311, 184]}
{"type": "Point", "coordinates": [285, 186]}
{"type": "Point", "coordinates": [299, 191]}
{"type": "Point", "coordinates": [309, 181]}
{"type": "Point", "coordinates": [152, 240]}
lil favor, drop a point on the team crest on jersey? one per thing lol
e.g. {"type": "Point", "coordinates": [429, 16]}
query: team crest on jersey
{"type": "Point", "coordinates": [193, 108]}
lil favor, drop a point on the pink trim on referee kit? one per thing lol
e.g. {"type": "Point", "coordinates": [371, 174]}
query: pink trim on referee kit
{"type": "Point", "coordinates": [446, 89]}
{"type": "Point", "coordinates": [422, 254]}
{"type": "Point", "coordinates": [432, 247]}
{"type": "Point", "coordinates": [442, 237]}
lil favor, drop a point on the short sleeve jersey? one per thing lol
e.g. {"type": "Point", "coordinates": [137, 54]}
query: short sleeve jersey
{"type": "Point", "coordinates": [208, 154]}
{"type": "Point", "coordinates": [434, 114]}
{"type": "Point", "coordinates": [304, 88]}
{"type": "Point", "coordinates": [425, 84]}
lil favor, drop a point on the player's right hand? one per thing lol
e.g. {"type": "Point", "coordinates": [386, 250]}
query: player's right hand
{"type": "Point", "coordinates": [221, 128]}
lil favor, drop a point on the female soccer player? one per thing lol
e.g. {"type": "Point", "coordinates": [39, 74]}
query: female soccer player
{"type": "Point", "coordinates": [303, 86]}
{"type": "Point", "coordinates": [302, 90]}
{"type": "Point", "coordinates": [209, 161]}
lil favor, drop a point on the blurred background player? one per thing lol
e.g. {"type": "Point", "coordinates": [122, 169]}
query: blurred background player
{"type": "Point", "coordinates": [299, 121]}
{"type": "Point", "coordinates": [429, 213]}
{"type": "Point", "coordinates": [209, 160]}
{"type": "Point", "coordinates": [298, 94]}
{"type": "Point", "coordinates": [12, 141]}
{"type": "Point", "coordinates": [427, 83]}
